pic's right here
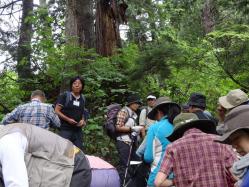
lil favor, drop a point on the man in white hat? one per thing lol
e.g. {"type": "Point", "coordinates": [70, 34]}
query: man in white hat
{"type": "Point", "coordinates": [144, 121]}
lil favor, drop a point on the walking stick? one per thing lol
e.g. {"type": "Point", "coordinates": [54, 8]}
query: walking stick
{"type": "Point", "coordinates": [133, 136]}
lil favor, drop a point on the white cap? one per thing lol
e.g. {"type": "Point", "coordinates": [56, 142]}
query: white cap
{"type": "Point", "coordinates": [151, 97]}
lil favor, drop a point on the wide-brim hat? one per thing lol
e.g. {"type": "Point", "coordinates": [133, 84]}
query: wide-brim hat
{"type": "Point", "coordinates": [233, 98]}
{"type": "Point", "coordinates": [186, 121]}
{"type": "Point", "coordinates": [198, 100]}
{"type": "Point", "coordinates": [133, 99]}
{"type": "Point", "coordinates": [159, 103]}
{"type": "Point", "coordinates": [236, 119]}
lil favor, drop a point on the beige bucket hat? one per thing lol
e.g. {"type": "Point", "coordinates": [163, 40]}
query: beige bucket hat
{"type": "Point", "coordinates": [233, 98]}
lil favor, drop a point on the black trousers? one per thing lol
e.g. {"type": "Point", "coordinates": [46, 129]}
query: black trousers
{"type": "Point", "coordinates": [75, 136]}
{"type": "Point", "coordinates": [123, 153]}
{"type": "Point", "coordinates": [82, 174]}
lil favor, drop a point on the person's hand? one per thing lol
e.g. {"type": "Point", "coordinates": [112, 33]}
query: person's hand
{"type": "Point", "coordinates": [82, 123]}
{"type": "Point", "coordinates": [136, 129]}
{"type": "Point", "coordinates": [72, 121]}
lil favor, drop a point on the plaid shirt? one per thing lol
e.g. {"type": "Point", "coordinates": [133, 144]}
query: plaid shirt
{"type": "Point", "coordinates": [197, 161]}
{"type": "Point", "coordinates": [122, 116]}
{"type": "Point", "coordinates": [36, 113]}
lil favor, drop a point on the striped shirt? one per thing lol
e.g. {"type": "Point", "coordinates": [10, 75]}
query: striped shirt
{"type": "Point", "coordinates": [35, 113]}
{"type": "Point", "coordinates": [197, 161]}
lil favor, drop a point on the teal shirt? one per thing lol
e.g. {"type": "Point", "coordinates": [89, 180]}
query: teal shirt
{"type": "Point", "coordinates": [156, 144]}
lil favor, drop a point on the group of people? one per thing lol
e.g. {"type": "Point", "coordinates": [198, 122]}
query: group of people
{"type": "Point", "coordinates": [186, 146]}
{"type": "Point", "coordinates": [178, 145]}
{"type": "Point", "coordinates": [31, 155]}
{"type": "Point", "coordinates": [69, 113]}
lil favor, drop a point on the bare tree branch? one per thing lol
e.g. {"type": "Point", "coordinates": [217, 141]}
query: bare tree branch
{"type": "Point", "coordinates": [9, 4]}
{"type": "Point", "coordinates": [10, 14]}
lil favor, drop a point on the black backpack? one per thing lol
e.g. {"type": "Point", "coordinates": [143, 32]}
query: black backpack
{"type": "Point", "coordinates": [111, 120]}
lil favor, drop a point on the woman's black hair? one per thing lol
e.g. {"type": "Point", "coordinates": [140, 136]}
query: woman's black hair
{"type": "Point", "coordinates": [77, 78]}
{"type": "Point", "coordinates": [171, 110]}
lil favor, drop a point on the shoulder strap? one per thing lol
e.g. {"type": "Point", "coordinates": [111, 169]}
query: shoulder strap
{"type": "Point", "coordinates": [127, 118]}
{"type": "Point", "coordinates": [147, 111]}
{"type": "Point", "coordinates": [68, 98]}
{"type": "Point", "coordinates": [128, 113]}
{"type": "Point", "coordinates": [84, 100]}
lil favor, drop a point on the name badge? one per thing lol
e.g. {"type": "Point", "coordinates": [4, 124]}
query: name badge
{"type": "Point", "coordinates": [76, 103]}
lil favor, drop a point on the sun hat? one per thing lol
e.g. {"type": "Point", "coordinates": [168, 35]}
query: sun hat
{"type": "Point", "coordinates": [236, 119]}
{"type": "Point", "coordinates": [160, 102]}
{"type": "Point", "coordinates": [233, 98]}
{"type": "Point", "coordinates": [186, 121]}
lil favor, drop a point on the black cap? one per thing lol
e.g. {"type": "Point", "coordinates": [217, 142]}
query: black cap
{"type": "Point", "coordinates": [133, 99]}
{"type": "Point", "coordinates": [197, 99]}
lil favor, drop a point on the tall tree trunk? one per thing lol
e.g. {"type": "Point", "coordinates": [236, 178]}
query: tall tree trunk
{"type": "Point", "coordinates": [80, 23]}
{"type": "Point", "coordinates": [79, 30]}
{"type": "Point", "coordinates": [208, 16]}
{"type": "Point", "coordinates": [107, 27]}
{"type": "Point", "coordinates": [24, 45]}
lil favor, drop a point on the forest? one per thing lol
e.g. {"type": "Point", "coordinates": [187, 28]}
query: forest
{"type": "Point", "coordinates": [165, 47]}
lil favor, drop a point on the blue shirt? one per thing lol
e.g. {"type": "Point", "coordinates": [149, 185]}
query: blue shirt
{"type": "Point", "coordinates": [35, 113]}
{"type": "Point", "coordinates": [156, 144]}
{"type": "Point", "coordinates": [245, 182]}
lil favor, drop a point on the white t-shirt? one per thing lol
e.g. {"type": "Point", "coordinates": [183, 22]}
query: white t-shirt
{"type": "Point", "coordinates": [144, 120]}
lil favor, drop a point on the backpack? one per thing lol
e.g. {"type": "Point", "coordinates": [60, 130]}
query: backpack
{"type": "Point", "coordinates": [69, 98]}
{"type": "Point", "coordinates": [111, 120]}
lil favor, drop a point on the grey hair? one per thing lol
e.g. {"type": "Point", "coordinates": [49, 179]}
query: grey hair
{"type": "Point", "coordinates": [38, 93]}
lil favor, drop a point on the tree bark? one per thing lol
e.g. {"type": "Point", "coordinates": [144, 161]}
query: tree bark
{"type": "Point", "coordinates": [80, 23]}
{"type": "Point", "coordinates": [24, 45]}
{"type": "Point", "coordinates": [107, 27]}
{"type": "Point", "coordinates": [208, 16]}
{"type": "Point", "coordinates": [79, 31]}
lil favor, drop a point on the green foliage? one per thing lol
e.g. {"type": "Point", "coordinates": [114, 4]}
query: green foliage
{"type": "Point", "coordinates": [97, 142]}
{"type": "Point", "coordinates": [167, 53]}
{"type": "Point", "coordinates": [10, 92]}
{"type": "Point", "coordinates": [231, 45]}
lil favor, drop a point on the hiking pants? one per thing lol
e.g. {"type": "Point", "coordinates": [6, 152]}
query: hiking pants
{"type": "Point", "coordinates": [75, 136]}
{"type": "Point", "coordinates": [123, 154]}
